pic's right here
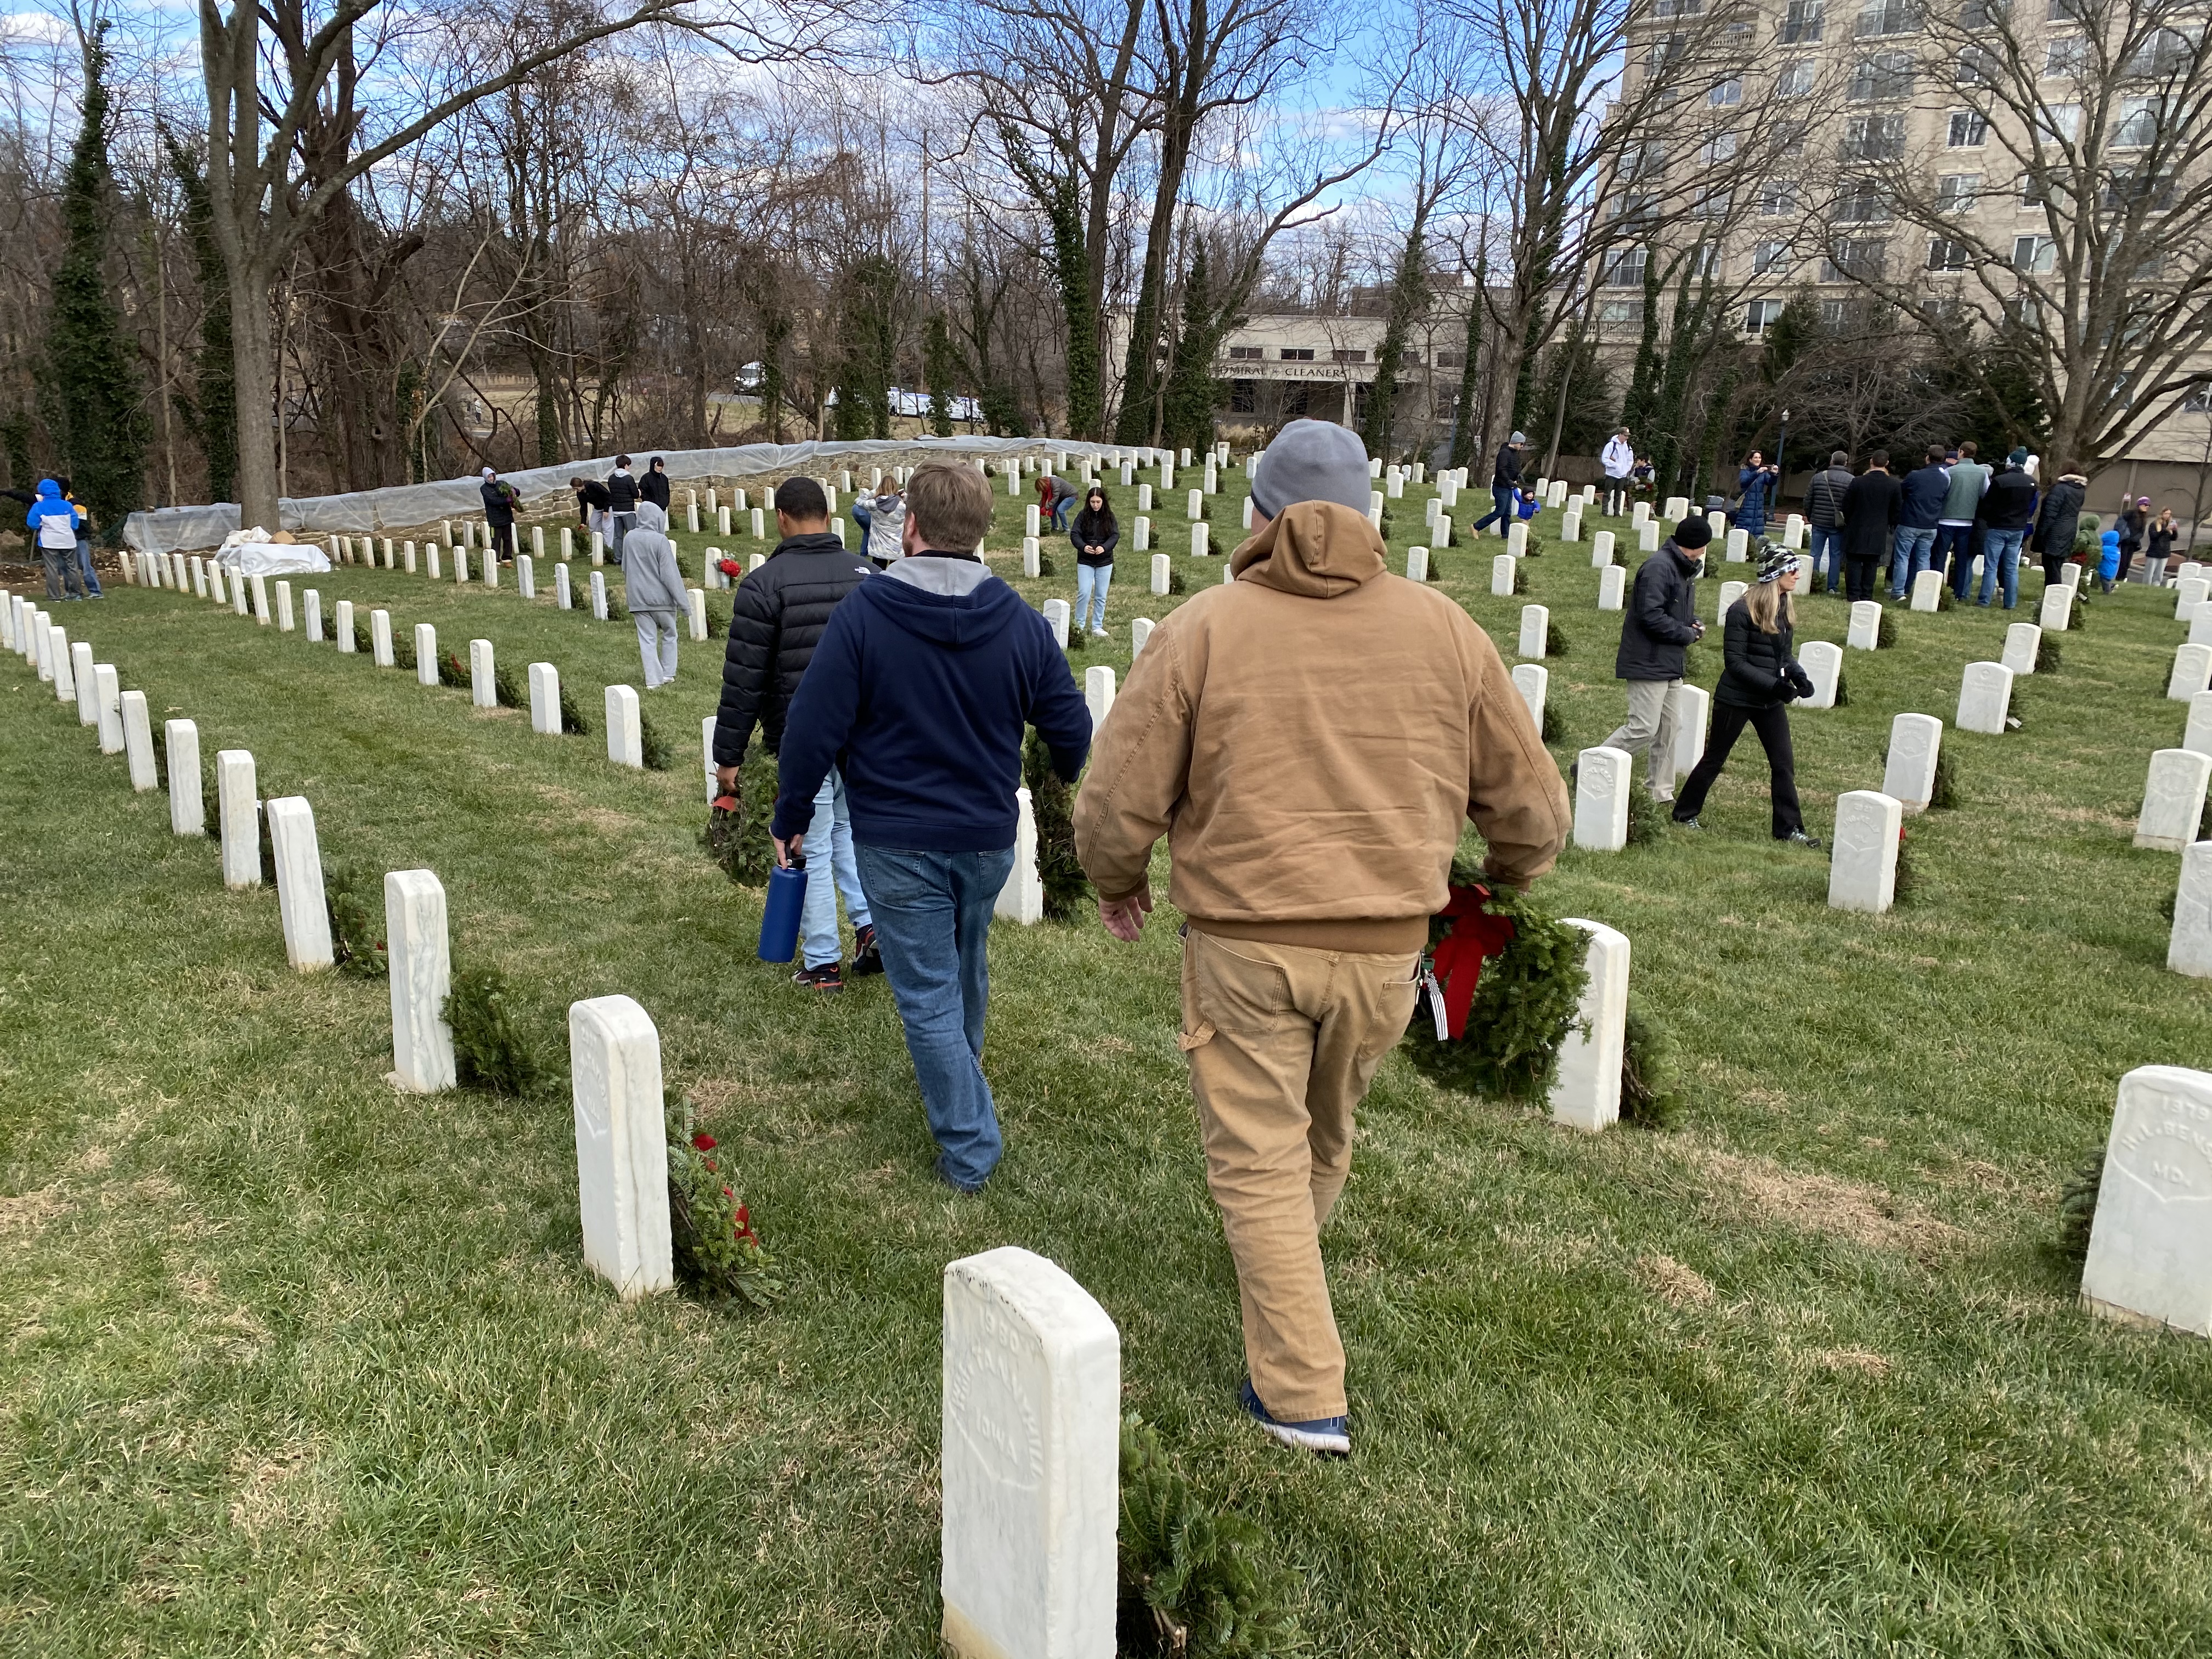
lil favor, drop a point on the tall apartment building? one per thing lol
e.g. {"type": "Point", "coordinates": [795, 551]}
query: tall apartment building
{"type": "Point", "coordinates": [1819, 142]}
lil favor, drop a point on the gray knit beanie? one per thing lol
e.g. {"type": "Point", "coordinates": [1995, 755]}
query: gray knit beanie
{"type": "Point", "coordinates": [1312, 461]}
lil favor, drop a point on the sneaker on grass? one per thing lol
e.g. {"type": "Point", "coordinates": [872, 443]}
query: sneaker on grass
{"type": "Point", "coordinates": [1690, 822]}
{"type": "Point", "coordinates": [1325, 1436]}
{"type": "Point", "coordinates": [1799, 838]}
{"type": "Point", "coordinates": [827, 977]}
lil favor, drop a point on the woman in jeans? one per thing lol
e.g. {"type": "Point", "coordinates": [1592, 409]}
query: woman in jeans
{"type": "Point", "coordinates": [1094, 535]}
{"type": "Point", "coordinates": [2165, 531]}
{"type": "Point", "coordinates": [1759, 677]}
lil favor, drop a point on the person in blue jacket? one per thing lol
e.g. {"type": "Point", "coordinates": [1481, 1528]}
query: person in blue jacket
{"type": "Point", "coordinates": [52, 522]}
{"type": "Point", "coordinates": [1756, 480]}
{"type": "Point", "coordinates": [2108, 559]}
{"type": "Point", "coordinates": [920, 691]}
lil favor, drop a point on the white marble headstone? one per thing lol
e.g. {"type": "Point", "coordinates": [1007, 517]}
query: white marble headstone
{"type": "Point", "coordinates": [180, 740]}
{"type": "Point", "coordinates": [1163, 573]}
{"type": "Point", "coordinates": [1909, 775]}
{"type": "Point", "coordinates": [1823, 660]}
{"type": "Point", "coordinates": [301, 904]}
{"type": "Point", "coordinates": [415, 944]}
{"type": "Point", "coordinates": [545, 699]}
{"type": "Point", "coordinates": [2173, 800]}
{"type": "Point", "coordinates": [80, 675]}
{"type": "Point", "coordinates": [2022, 641]}
{"type": "Point", "coordinates": [621, 1145]}
{"type": "Point", "coordinates": [1611, 587]}
{"type": "Point", "coordinates": [1984, 696]}
{"type": "Point", "coordinates": [2150, 1246]}
{"type": "Point", "coordinates": [2197, 734]}
{"type": "Point", "coordinates": [1866, 625]}
{"type": "Point", "coordinates": [311, 613]}
{"type": "Point", "coordinates": [107, 699]}
{"type": "Point", "coordinates": [1029, 1462]}
{"type": "Point", "coordinates": [1056, 618]}
{"type": "Point", "coordinates": [1098, 694]}
{"type": "Point", "coordinates": [2189, 945]}
{"type": "Point", "coordinates": [1586, 1092]}
{"type": "Point", "coordinates": [1926, 589]}
{"type": "Point", "coordinates": [138, 741]}
{"type": "Point", "coordinates": [1022, 899]}
{"type": "Point", "coordinates": [2057, 608]}
{"type": "Point", "coordinates": [238, 818]}
{"type": "Point", "coordinates": [2192, 672]}
{"type": "Point", "coordinates": [1501, 566]}
{"type": "Point", "coordinates": [1863, 868]}
{"type": "Point", "coordinates": [1534, 682]}
{"type": "Point", "coordinates": [343, 620]}
{"type": "Point", "coordinates": [426, 654]}
{"type": "Point", "coordinates": [1693, 708]}
{"type": "Point", "coordinates": [1602, 780]}
{"type": "Point", "coordinates": [625, 729]}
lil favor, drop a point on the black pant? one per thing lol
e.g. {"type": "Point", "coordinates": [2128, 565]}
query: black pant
{"type": "Point", "coordinates": [1859, 575]}
{"type": "Point", "coordinates": [2052, 564]}
{"type": "Point", "coordinates": [1772, 725]}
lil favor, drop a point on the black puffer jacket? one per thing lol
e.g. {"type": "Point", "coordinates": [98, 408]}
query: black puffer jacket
{"type": "Point", "coordinates": [1660, 624]}
{"type": "Point", "coordinates": [622, 490]}
{"type": "Point", "coordinates": [2009, 501]}
{"type": "Point", "coordinates": [1760, 672]}
{"type": "Point", "coordinates": [775, 621]}
{"type": "Point", "coordinates": [653, 487]}
{"type": "Point", "coordinates": [2061, 516]}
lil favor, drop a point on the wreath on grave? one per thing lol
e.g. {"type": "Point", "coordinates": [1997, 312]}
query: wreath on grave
{"type": "Point", "coordinates": [1508, 978]}
{"type": "Point", "coordinates": [403, 648]}
{"type": "Point", "coordinates": [489, 1049]}
{"type": "Point", "coordinates": [1193, 1581]}
{"type": "Point", "coordinates": [1052, 807]}
{"type": "Point", "coordinates": [717, 1255]}
{"type": "Point", "coordinates": [2078, 1208]}
{"type": "Point", "coordinates": [2050, 655]}
{"type": "Point", "coordinates": [452, 673]}
{"type": "Point", "coordinates": [737, 835]}
{"type": "Point", "coordinates": [1650, 1072]}
{"type": "Point", "coordinates": [1553, 730]}
{"type": "Point", "coordinates": [355, 944]}
{"type": "Point", "coordinates": [1520, 580]}
{"type": "Point", "coordinates": [573, 721]}
{"type": "Point", "coordinates": [1885, 631]}
{"type": "Point", "coordinates": [504, 690]}
{"type": "Point", "coordinates": [652, 747]}
{"type": "Point", "coordinates": [1944, 793]}
{"type": "Point", "coordinates": [1842, 690]}
{"type": "Point", "coordinates": [1647, 824]}
{"type": "Point", "coordinates": [1555, 637]}
{"type": "Point", "coordinates": [1906, 881]}
{"type": "Point", "coordinates": [1175, 580]}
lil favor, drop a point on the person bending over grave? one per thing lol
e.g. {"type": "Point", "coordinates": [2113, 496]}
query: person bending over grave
{"type": "Point", "coordinates": [777, 619]}
{"type": "Point", "coordinates": [1758, 681]}
{"type": "Point", "coordinates": [499, 501]}
{"type": "Point", "coordinates": [924, 682]}
{"type": "Point", "coordinates": [1312, 805]}
{"type": "Point", "coordinates": [591, 505]}
{"type": "Point", "coordinates": [652, 584]}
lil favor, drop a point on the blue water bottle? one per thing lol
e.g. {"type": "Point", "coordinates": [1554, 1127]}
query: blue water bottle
{"type": "Point", "coordinates": [786, 898]}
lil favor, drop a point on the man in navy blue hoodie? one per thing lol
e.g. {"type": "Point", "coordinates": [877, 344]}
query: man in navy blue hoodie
{"type": "Point", "coordinates": [1920, 507]}
{"type": "Point", "coordinates": [919, 691]}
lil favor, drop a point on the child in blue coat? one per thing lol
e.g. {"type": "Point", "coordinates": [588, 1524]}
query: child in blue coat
{"type": "Point", "coordinates": [2108, 560]}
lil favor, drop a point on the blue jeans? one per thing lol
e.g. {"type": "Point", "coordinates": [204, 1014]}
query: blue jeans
{"type": "Point", "coordinates": [1954, 542]}
{"type": "Point", "coordinates": [2001, 548]}
{"type": "Point", "coordinates": [1059, 511]}
{"type": "Point", "coordinates": [1091, 578]}
{"type": "Point", "coordinates": [933, 915]}
{"type": "Point", "coordinates": [624, 524]}
{"type": "Point", "coordinates": [1828, 542]}
{"type": "Point", "coordinates": [1501, 499]}
{"type": "Point", "coordinates": [84, 567]}
{"type": "Point", "coordinates": [1909, 558]}
{"type": "Point", "coordinates": [830, 852]}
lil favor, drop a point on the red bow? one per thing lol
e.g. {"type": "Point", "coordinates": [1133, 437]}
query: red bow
{"type": "Point", "coordinates": [1471, 935]}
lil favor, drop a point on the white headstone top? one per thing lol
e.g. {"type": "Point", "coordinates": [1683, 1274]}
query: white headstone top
{"type": "Point", "coordinates": [1502, 568]}
{"type": "Point", "coordinates": [1612, 586]}
{"type": "Point", "coordinates": [1863, 869]}
{"type": "Point", "coordinates": [2150, 1246]}
{"type": "Point", "coordinates": [2192, 672]}
{"type": "Point", "coordinates": [181, 741]}
{"type": "Point", "coordinates": [1021, 901]}
{"type": "Point", "coordinates": [1984, 695]}
{"type": "Point", "coordinates": [1029, 1457]}
{"type": "Point", "coordinates": [625, 729]}
{"type": "Point", "coordinates": [1536, 631]}
{"type": "Point", "coordinates": [1534, 682]}
{"type": "Point", "coordinates": [1602, 780]}
{"type": "Point", "coordinates": [1586, 1091]}
{"type": "Point", "coordinates": [1823, 660]}
{"type": "Point", "coordinates": [1909, 775]}
{"type": "Point", "coordinates": [2173, 800]}
{"type": "Point", "coordinates": [1865, 633]}
{"type": "Point", "coordinates": [2022, 641]}
{"type": "Point", "coordinates": [422, 974]}
{"type": "Point", "coordinates": [1928, 590]}
{"type": "Point", "coordinates": [300, 905]}
{"type": "Point", "coordinates": [621, 1145]}
{"type": "Point", "coordinates": [2189, 946]}
{"type": "Point", "coordinates": [2198, 733]}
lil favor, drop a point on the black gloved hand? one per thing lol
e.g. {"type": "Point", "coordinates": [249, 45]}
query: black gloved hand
{"type": "Point", "coordinates": [1800, 682]}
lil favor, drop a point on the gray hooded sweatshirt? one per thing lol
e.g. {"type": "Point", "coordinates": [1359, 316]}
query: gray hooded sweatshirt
{"type": "Point", "coordinates": [652, 580]}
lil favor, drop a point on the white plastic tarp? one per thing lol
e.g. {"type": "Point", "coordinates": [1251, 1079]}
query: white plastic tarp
{"type": "Point", "coordinates": [406, 507]}
{"type": "Point", "coordinates": [251, 553]}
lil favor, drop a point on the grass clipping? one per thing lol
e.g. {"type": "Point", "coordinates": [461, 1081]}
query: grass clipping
{"type": "Point", "coordinates": [1192, 1581]}
{"type": "Point", "coordinates": [1525, 1004]}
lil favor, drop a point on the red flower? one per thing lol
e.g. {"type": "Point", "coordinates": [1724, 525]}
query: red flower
{"type": "Point", "coordinates": [704, 1141]}
{"type": "Point", "coordinates": [730, 568]}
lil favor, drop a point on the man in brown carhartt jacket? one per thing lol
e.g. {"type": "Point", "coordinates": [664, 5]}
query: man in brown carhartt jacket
{"type": "Point", "coordinates": [1310, 738]}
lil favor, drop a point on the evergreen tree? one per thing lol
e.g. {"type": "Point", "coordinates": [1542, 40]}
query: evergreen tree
{"type": "Point", "coordinates": [1636, 407]}
{"type": "Point", "coordinates": [98, 400]}
{"type": "Point", "coordinates": [215, 403]}
{"type": "Point", "coordinates": [1409, 294]}
{"type": "Point", "coordinates": [1192, 394]}
{"type": "Point", "coordinates": [940, 362]}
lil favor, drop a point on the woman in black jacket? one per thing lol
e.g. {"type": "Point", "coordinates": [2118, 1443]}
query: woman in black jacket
{"type": "Point", "coordinates": [1760, 677]}
{"type": "Point", "coordinates": [653, 486]}
{"type": "Point", "coordinates": [2061, 517]}
{"type": "Point", "coordinates": [1094, 535]}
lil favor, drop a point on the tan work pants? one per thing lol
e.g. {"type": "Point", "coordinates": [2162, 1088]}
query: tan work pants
{"type": "Point", "coordinates": [1283, 1042]}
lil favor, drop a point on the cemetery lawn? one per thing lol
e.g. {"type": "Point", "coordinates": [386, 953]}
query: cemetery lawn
{"type": "Point", "coordinates": [295, 1363]}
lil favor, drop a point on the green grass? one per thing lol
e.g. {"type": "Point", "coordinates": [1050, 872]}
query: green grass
{"type": "Point", "coordinates": [295, 1363]}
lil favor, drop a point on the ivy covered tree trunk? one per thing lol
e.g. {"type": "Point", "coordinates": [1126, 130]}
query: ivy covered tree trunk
{"type": "Point", "coordinates": [215, 401]}
{"type": "Point", "coordinates": [1408, 299]}
{"type": "Point", "coordinates": [97, 395]}
{"type": "Point", "coordinates": [1636, 409]}
{"type": "Point", "coordinates": [939, 363]}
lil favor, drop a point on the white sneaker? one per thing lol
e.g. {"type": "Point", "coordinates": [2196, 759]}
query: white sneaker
{"type": "Point", "coordinates": [1098, 634]}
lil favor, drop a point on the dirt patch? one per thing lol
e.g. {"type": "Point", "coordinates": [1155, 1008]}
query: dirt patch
{"type": "Point", "coordinates": [267, 1493]}
{"type": "Point", "coordinates": [1674, 1284]}
{"type": "Point", "coordinates": [1864, 1215]}
{"type": "Point", "coordinates": [28, 1212]}
{"type": "Point", "coordinates": [1865, 1362]}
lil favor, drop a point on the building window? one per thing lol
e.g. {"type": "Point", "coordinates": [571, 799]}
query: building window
{"type": "Point", "coordinates": [1711, 204]}
{"type": "Point", "coordinates": [1946, 254]}
{"type": "Point", "coordinates": [1969, 130]}
{"type": "Point", "coordinates": [1664, 52]}
{"type": "Point", "coordinates": [2199, 400]}
{"type": "Point", "coordinates": [1885, 75]}
{"type": "Point", "coordinates": [1977, 67]}
{"type": "Point", "coordinates": [1801, 24]}
{"type": "Point", "coordinates": [1618, 311]}
{"type": "Point", "coordinates": [2031, 193]}
{"type": "Point", "coordinates": [1861, 202]}
{"type": "Point", "coordinates": [2139, 122]}
{"type": "Point", "coordinates": [1770, 259]}
{"type": "Point", "coordinates": [2064, 56]}
{"type": "Point", "coordinates": [2060, 123]}
{"type": "Point", "coordinates": [1677, 8]}
{"type": "Point", "coordinates": [1874, 137]}
{"type": "Point", "coordinates": [1623, 268]}
{"type": "Point", "coordinates": [1451, 360]}
{"type": "Point", "coordinates": [1886, 17]}
{"type": "Point", "coordinates": [1860, 257]}
{"type": "Point", "coordinates": [1704, 258]}
{"type": "Point", "coordinates": [1297, 397]}
{"type": "Point", "coordinates": [1636, 208]}
{"type": "Point", "coordinates": [2037, 256]}
{"type": "Point", "coordinates": [1721, 147]}
{"type": "Point", "coordinates": [1245, 354]}
{"type": "Point", "coordinates": [1343, 355]}
{"type": "Point", "coordinates": [1981, 14]}
{"type": "Point", "coordinates": [1297, 354]}
{"type": "Point", "coordinates": [2064, 11]}
{"type": "Point", "coordinates": [1958, 192]}
{"type": "Point", "coordinates": [1760, 315]}
{"type": "Point", "coordinates": [1243, 398]}
{"type": "Point", "coordinates": [2163, 52]}
{"type": "Point", "coordinates": [1777, 198]}
{"type": "Point", "coordinates": [2129, 187]}
{"type": "Point", "coordinates": [1725, 93]}
{"type": "Point", "coordinates": [1647, 160]}
{"type": "Point", "coordinates": [1790, 137]}
{"type": "Point", "coordinates": [1832, 312]}
{"type": "Point", "coordinates": [1796, 80]}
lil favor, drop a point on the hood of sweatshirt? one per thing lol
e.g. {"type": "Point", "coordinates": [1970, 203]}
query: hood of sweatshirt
{"type": "Point", "coordinates": [952, 602]}
{"type": "Point", "coordinates": [651, 517]}
{"type": "Point", "coordinates": [49, 490]}
{"type": "Point", "coordinates": [1316, 549]}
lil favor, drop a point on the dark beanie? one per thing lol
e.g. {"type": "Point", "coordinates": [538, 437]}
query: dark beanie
{"type": "Point", "coordinates": [1692, 531]}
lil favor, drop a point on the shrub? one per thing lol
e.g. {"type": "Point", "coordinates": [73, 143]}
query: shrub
{"type": "Point", "coordinates": [652, 747]}
{"type": "Point", "coordinates": [402, 648]}
{"type": "Point", "coordinates": [490, 1050]}
{"type": "Point", "coordinates": [357, 929]}
{"type": "Point", "coordinates": [1520, 581]}
{"type": "Point", "coordinates": [717, 1254]}
{"type": "Point", "coordinates": [1650, 1073]}
{"type": "Point", "coordinates": [361, 644]}
{"type": "Point", "coordinates": [450, 671]}
{"type": "Point", "coordinates": [1176, 584]}
{"type": "Point", "coordinates": [1436, 569]}
{"type": "Point", "coordinates": [1525, 1004]}
{"type": "Point", "coordinates": [1843, 689]}
{"type": "Point", "coordinates": [2078, 1208]}
{"type": "Point", "coordinates": [1192, 1582]}
{"type": "Point", "coordinates": [1053, 806]}
{"type": "Point", "coordinates": [1045, 567]}
{"type": "Point", "coordinates": [617, 611]}
{"type": "Point", "coordinates": [1553, 732]}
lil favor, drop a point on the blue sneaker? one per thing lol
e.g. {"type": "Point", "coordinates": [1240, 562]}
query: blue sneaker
{"type": "Point", "coordinates": [1326, 1436]}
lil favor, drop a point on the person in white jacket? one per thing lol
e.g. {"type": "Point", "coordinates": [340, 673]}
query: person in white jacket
{"type": "Point", "coordinates": [1619, 461]}
{"type": "Point", "coordinates": [654, 586]}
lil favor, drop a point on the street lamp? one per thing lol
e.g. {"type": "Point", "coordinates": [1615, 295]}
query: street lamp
{"type": "Point", "coordinates": [1781, 459]}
